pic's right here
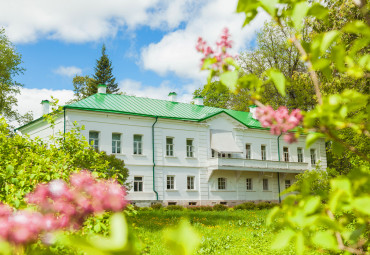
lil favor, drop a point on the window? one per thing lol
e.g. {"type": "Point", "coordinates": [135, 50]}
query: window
{"type": "Point", "coordinates": [221, 183]}
{"type": "Point", "coordinates": [190, 182]}
{"type": "Point", "coordinates": [248, 151]}
{"type": "Point", "coordinates": [170, 182]}
{"type": "Point", "coordinates": [224, 155]}
{"type": "Point", "coordinates": [286, 154]}
{"type": "Point", "coordinates": [94, 139]}
{"type": "Point", "coordinates": [169, 146]}
{"type": "Point", "coordinates": [287, 184]}
{"type": "Point", "coordinates": [192, 203]}
{"type": "Point", "coordinates": [189, 148]}
{"type": "Point", "coordinates": [300, 154]}
{"type": "Point", "coordinates": [116, 143]}
{"type": "Point", "coordinates": [223, 203]}
{"type": "Point", "coordinates": [138, 144]}
{"type": "Point", "coordinates": [138, 183]}
{"type": "Point", "coordinates": [172, 203]}
{"type": "Point", "coordinates": [213, 153]}
{"type": "Point", "coordinates": [263, 152]}
{"type": "Point", "coordinates": [248, 182]}
{"type": "Point", "coordinates": [265, 184]}
{"type": "Point", "coordinates": [313, 156]}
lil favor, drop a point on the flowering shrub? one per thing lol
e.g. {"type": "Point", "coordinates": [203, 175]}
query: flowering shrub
{"type": "Point", "coordinates": [60, 206]}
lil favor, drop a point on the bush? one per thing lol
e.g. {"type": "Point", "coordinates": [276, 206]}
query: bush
{"type": "Point", "coordinates": [246, 206]}
{"type": "Point", "coordinates": [205, 208]}
{"type": "Point", "coordinates": [175, 208]}
{"type": "Point", "coordinates": [220, 207]}
{"type": "Point", "coordinates": [156, 206]}
{"type": "Point", "coordinates": [265, 205]}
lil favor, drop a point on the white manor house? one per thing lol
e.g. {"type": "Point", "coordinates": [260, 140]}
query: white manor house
{"type": "Point", "coordinates": [186, 154]}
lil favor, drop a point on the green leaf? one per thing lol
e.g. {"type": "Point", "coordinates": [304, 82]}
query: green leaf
{"type": "Point", "coordinates": [269, 6]}
{"type": "Point", "coordinates": [272, 215]}
{"type": "Point", "coordinates": [318, 11]}
{"type": "Point", "coordinates": [362, 204]}
{"type": "Point", "coordinates": [325, 240]}
{"type": "Point", "coordinates": [230, 79]}
{"type": "Point", "coordinates": [357, 27]}
{"type": "Point", "coordinates": [279, 80]}
{"type": "Point", "coordinates": [328, 39]}
{"type": "Point", "coordinates": [311, 205]}
{"type": "Point", "coordinates": [299, 243]}
{"type": "Point", "coordinates": [299, 12]}
{"type": "Point", "coordinates": [182, 240]}
{"type": "Point", "coordinates": [249, 7]}
{"type": "Point", "coordinates": [312, 138]}
{"type": "Point", "coordinates": [282, 239]}
{"type": "Point", "coordinates": [337, 148]}
{"type": "Point", "coordinates": [337, 55]}
{"type": "Point", "coordinates": [207, 62]}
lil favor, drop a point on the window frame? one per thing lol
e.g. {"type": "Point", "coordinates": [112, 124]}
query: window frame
{"type": "Point", "coordinates": [170, 183]}
{"type": "Point", "coordinates": [140, 184]}
{"type": "Point", "coordinates": [96, 144]}
{"type": "Point", "coordinates": [265, 184]}
{"type": "Point", "coordinates": [170, 147]}
{"type": "Point", "coordinates": [300, 155]}
{"type": "Point", "coordinates": [221, 183]}
{"type": "Point", "coordinates": [249, 184]}
{"type": "Point", "coordinates": [248, 151]}
{"type": "Point", "coordinates": [313, 156]}
{"type": "Point", "coordinates": [287, 185]}
{"type": "Point", "coordinates": [117, 142]}
{"type": "Point", "coordinates": [189, 148]}
{"type": "Point", "coordinates": [138, 145]}
{"type": "Point", "coordinates": [286, 153]}
{"type": "Point", "coordinates": [190, 182]}
{"type": "Point", "coordinates": [263, 152]}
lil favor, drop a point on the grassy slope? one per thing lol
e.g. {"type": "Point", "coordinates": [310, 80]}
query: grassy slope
{"type": "Point", "coordinates": [225, 232]}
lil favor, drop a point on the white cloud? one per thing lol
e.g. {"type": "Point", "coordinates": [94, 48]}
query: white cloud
{"type": "Point", "coordinates": [176, 51]}
{"type": "Point", "coordinates": [30, 99]}
{"type": "Point", "coordinates": [136, 88]}
{"type": "Point", "coordinates": [68, 71]}
{"type": "Point", "coordinates": [86, 20]}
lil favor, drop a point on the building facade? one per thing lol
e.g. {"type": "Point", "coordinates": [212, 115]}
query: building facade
{"type": "Point", "coordinates": [187, 154]}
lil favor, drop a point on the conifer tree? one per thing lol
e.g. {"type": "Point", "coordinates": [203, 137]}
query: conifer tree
{"type": "Point", "coordinates": [103, 75]}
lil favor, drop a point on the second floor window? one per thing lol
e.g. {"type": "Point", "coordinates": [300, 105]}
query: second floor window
{"type": "Point", "coordinates": [248, 151]}
{"type": "Point", "coordinates": [189, 148]}
{"type": "Point", "coordinates": [138, 183]}
{"type": "Point", "coordinates": [116, 143]}
{"type": "Point", "coordinates": [248, 182]}
{"type": "Point", "coordinates": [170, 182]}
{"type": "Point", "coordinates": [221, 183]}
{"type": "Point", "coordinates": [263, 152]}
{"type": "Point", "coordinates": [190, 182]}
{"type": "Point", "coordinates": [169, 146]}
{"type": "Point", "coordinates": [265, 184]}
{"type": "Point", "coordinates": [313, 156]}
{"type": "Point", "coordinates": [94, 139]}
{"type": "Point", "coordinates": [300, 154]}
{"type": "Point", "coordinates": [286, 154]}
{"type": "Point", "coordinates": [138, 144]}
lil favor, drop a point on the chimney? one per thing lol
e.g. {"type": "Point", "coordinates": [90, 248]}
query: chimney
{"type": "Point", "coordinates": [102, 88]}
{"type": "Point", "coordinates": [252, 109]}
{"type": "Point", "coordinates": [198, 100]}
{"type": "Point", "coordinates": [45, 106]}
{"type": "Point", "coordinates": [172, 96]}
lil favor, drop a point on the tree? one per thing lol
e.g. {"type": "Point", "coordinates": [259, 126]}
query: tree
{"type": "Point", "coordinates": [215, 94]}
{"type": "Point", "coordinates": [103, 75]}
{"type": "Point", "coordinates": [10, 61]}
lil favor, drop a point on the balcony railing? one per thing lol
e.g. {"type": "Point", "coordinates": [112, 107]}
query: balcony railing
{"type": "Point", "coordinates": [244, 164]}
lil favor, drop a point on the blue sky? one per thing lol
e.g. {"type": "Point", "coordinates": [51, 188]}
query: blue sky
{"type": "Point", "coordinates": [151, 43]}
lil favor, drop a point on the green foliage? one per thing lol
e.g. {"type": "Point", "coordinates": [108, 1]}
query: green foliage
{"type": "Point", "coordinates": [245, 206]}
{"type": "Point", "coordinates": [156, 206]}
{"type": "Point", "coordinates": [25, 162]}
{"type": "Point", "coordinates": [175, 208]}
{"type": "Point", "coordinates": [220, 207]}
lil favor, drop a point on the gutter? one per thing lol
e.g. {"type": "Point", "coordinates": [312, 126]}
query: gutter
{"type": "Point", "coordinates": [278, 174]}
{"type": "Point", "coordinates": [64, 124]}
{"type": "Point", "coordinates": [156, 193]}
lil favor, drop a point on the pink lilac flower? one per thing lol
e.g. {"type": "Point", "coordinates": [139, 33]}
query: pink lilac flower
{"type": "Point", "coordinates": [280, 121]}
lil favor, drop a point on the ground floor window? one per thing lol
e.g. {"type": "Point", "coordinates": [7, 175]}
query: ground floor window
{"type": "Point", "coordinates": [190, 183]}
{"type": "Point", "coordinates": [172, 203]}
{"type": "Point", "coordinates": [138, 183]}
{"type": "Point", "coordinates": [192, 203]}
{"type": "Point", "coordinates": [223, 203]}
{"type": "Point", "coordinates": [221, 183]}
{"type": "Point", "coordinates": [265, 184]}
{"type": "Point", "coordinates": [170, 182]}
{"type": "Point", "coordinates": [248, 182]}
{"type": "Point", "coordinates": [287, 184]}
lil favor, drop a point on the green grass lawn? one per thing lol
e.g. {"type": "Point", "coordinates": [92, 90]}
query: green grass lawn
{"type": "Point", "coordinates": [221, 232]}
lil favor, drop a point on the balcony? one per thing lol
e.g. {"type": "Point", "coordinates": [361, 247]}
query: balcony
{"type": "Point", "coordinates": [241, 164]}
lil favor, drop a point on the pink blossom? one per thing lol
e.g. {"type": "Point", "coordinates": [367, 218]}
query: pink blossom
{"type": "Point", "coordinates": [290, 138]}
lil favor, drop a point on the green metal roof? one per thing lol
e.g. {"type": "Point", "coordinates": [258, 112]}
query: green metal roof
{"type": "Point", "coordinates": [154, 107]}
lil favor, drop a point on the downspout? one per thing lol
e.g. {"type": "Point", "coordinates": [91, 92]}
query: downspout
{"type": "Point", "coordinates": [64, 124]}
{"type": "Point", "coordinates": [278, 174]}
{"type": "Point", "coordinates": [156, 193]}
